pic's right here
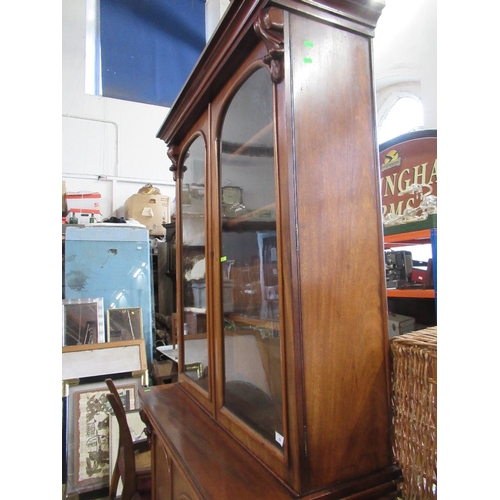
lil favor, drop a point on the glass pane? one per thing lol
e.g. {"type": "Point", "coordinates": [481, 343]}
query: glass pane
{"type": "Point", "coordinates": [193, 263]}
{"type": "Point", "coordinates": [249, 262]}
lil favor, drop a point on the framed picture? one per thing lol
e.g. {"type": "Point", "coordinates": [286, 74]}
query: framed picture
{"type": "Point", "coordinates": [83, 321]}
{"type": "Point", "coordinates": [124, 324]}
{"type": "Point", "coordinates": [106, 359]}
{"type": "Point", "coordinates": [88, 432]}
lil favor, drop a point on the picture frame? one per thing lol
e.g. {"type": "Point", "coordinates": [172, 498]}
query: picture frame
{"type": "Point", "coordinates": [107, 359]}
{"type": "Point", "coordinates": [83, 321]}
{"type": "Point", "coordinates": [88, 457]}
{"type": "Point", "coordinates": [124, 323]}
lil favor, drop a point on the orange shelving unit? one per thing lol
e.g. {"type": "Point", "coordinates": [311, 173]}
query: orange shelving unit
{"type": "Point", "coordinates": [410, 238]}
{"type": "Point", "coordinates": [417, 237]}
{"type": "Point", "coordinates": [420, 293]}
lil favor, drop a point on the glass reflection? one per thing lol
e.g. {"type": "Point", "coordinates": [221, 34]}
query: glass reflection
{"type": "Point", "coordinates": [249, 261]}
{"type": "Point", "coordinates": [193, 265]}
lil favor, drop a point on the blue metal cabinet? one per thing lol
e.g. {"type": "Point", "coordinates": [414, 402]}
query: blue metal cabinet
{"type": "Point", "coordinates": [113, 262]}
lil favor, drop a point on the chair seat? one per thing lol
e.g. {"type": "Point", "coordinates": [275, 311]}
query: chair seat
{"type": "Point", "coordinates": [143, 463]}
{"type": "Point", "coordinates": [143, 474]}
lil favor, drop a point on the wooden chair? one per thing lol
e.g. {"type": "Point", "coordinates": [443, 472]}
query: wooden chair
{"type": "Point", "coordinates": [133, 463]}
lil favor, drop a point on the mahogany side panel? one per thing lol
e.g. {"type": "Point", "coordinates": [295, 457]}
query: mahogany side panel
{"type": "Point", "coordinates": [342, 301]}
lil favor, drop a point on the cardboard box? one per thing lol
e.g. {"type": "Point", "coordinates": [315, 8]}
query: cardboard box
{"type": "Point", "coordinates": [149, 209]}
{"type": "Point", "coordinates": [163, 372]}
{"type": "Point", "coordinates": [83, 202]}
{"type": "Point", "coordinates": [399, 324]}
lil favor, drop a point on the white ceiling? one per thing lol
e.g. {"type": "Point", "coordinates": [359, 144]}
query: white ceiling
{"type": "Point", "coordinates": [405, 41]}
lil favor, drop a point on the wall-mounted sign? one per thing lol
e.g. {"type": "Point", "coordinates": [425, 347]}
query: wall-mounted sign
{"type": "Point", "coordinates": [408, 166]}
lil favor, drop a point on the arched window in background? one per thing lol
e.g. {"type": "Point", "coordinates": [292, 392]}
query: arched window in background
{"type": "Point", "coordinates": [405, 115]}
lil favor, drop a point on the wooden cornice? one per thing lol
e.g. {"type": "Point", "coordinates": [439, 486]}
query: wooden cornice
{"type": "Point", "coordinates": [235, 35]}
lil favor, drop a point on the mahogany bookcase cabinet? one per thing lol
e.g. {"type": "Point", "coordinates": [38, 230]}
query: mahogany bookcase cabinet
{"type": "Point", "coordinates": [283, 387]}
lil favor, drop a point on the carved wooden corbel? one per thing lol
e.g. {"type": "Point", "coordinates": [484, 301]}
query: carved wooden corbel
{"type": "Point", "coordinates": [269, 27]}
{"type": "Point", "coordinates": [173, 153]}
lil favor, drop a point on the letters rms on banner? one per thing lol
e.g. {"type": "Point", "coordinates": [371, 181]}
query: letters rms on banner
{"type": "Point", "coordinates": [409, 178]}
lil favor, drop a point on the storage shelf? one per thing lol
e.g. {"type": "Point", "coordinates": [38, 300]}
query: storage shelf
{"type": "Point", "coordinates": [427, 293]}
{"type": "Point", "coordinates": [253, 140]}
{"type": "Point", "coordinates": [195, 336]}
{"type": "Point", "coordinates": [418, 237]}
{"type": "Point", "coordinates": [406, 239]}
{"type": "Point", "coordinates": [255, 322]}
{"type": "Point", "coordinates": [251, 220]}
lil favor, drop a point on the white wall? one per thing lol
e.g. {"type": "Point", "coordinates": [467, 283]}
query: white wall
{"type": "Point", "coordinates": [405, 55]}
{"type": "Point", "coordinates": [103, 136]}
{"type": "Point", "coordinates": [116, 139]}
{"type": "Point", "coordinates": [214, 10]}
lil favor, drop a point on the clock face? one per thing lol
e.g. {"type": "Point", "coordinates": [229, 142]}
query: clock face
{"type": "Point", "coordinates": [231, 195]}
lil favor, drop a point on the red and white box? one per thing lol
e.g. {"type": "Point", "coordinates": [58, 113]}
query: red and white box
{"type": "Point", "coordinates": [83, 202]}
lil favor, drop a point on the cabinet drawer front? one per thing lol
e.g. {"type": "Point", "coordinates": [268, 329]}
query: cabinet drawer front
{"type": "Point", "coordinates": [162, 467]}
{"type": "Point", "coordinates": [182, 489]}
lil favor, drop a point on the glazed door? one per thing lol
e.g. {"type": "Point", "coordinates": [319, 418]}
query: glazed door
{"type": "Point", "coordinates": [195, 357]}
{"type": "Point", "coordinates": [249, 265]}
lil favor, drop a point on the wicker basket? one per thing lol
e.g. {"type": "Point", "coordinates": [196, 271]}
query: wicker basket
{"type": "Point", "coordinates": [414, 405]}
